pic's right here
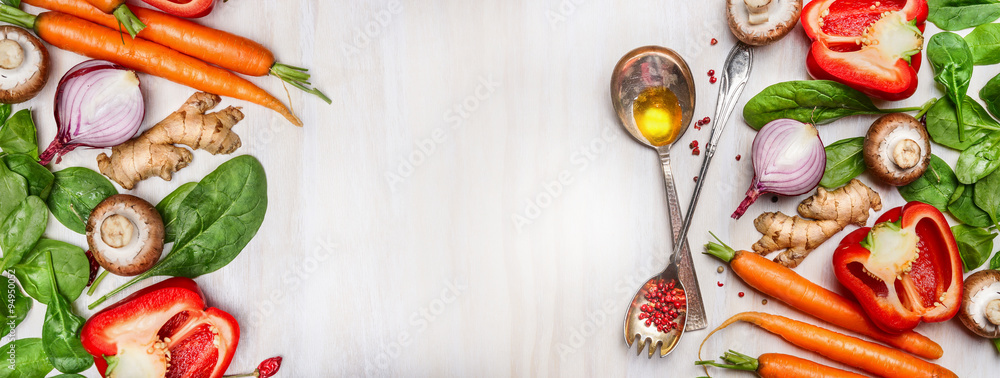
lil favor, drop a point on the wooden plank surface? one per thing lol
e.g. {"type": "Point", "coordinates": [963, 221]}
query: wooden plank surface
{"type": "Point", "coordinates": [468, 205]}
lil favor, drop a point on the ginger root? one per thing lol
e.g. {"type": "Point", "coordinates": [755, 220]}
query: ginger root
{"type": "Point", "coordinates": [153, 153]}
{"type": "Point", "coordinates": [831, 212]}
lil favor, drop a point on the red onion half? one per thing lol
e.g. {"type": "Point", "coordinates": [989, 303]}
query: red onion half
{"type": "Point", "coordinates": [98, 104]}
{"type": "Point", "coordinates": [788, 159]}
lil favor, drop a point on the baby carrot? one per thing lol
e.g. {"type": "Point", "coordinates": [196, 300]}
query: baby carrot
{"type": "Point", "coordinates": [776, 365]}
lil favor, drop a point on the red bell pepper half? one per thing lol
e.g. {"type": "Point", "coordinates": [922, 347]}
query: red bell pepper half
{"type": "Point", "coordinates": [182, 8]}
{"type": "Point", "coordinates": [162, 331]}
{"type": "Point", "coordinates": [904, 270]}
{"type": "Point", "coordinates": [870, 45]}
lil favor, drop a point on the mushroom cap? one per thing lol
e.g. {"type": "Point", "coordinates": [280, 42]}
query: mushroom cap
{"type": "Point", "coordinates": [885, 134]}
{"type": "Point", "coordinates": [973, 285]}
{"type": "Point", "coordinates": [783, 15]}
{"type": "Point", "coordinates": [144, 245]}
{"type": "Point", "coordinates": [24, 82]}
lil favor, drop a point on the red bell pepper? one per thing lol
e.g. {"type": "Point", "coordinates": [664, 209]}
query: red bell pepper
{"type": "Point", "coordinates": [870, 45]}
{"type": "Point", "coordinates": [181, 8]}
{"type": "Point", "coordinates": [162, 331]}
{"type": "Point", "coordinates": [904, 270]}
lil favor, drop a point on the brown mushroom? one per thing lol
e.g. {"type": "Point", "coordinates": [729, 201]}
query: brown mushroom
{"type": "Point", "coordinates": [24, 65]}
{"type": "Point", "coordinates": [125, 234]}
{"type": "Point", "coordinates": [897, 149]}
{"type": "Point", "coordinates": [760, 22]}
{"type": "Point", "coordinates": [980, 311]}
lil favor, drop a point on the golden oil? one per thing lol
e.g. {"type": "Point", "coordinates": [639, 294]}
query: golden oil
{"type": "Point", "coordinates": [657, 113]}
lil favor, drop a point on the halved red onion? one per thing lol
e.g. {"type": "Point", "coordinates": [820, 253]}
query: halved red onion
{"type": "Point", "coordinates": [788, 159]}
{"type": "Point", "coordinates": [98, 104]}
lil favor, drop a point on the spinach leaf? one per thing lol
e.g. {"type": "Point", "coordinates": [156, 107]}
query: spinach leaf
{"type": "Point", "coordinates": [984, 42]}
{"type": "Point", "coordinates": [169, 209]}
{"type": "Point", "coordinates": [963, 207]}
{"type": "Point", "coordinates": [38, 177]}
{"type": "Point", "coordinates": [995, 262]}
{"type": "Point", "coordinates": [72, 270]}
{"type": "Point", "coordinates": [951, 60]}
{"type": "Point", "coordinates": [31, 361]}
{"type": "Point", "coordinates": [215, 221]}
{"type": "Point", "coordinates": [990, 94]}
{"type": "Point", "coordinates": [75, 193]}
{"type": "Point", "coordinates": [13, 190]}
{"type": "Point", "coordinates": [23, 227]}
{"type": "Point", "coordinates": [17, 136]}
{"type": "Point", "coordinates": [987, 197]}
{"type": "Point", "coordinates": [935, 187]}
{"type": "Point", "coordinates": [61, 331]}
{"type": "Point", "coordinates": [74, 375]}
{"type": "Point", "coordinates": [942, 124]}
{"type": "Point", "coordinates": [843, 162]}
{"type": "Point", "coordinates": [961, 14]}
{"type": "Point", "coordinates": [17, 312]}
{"type": "Point", "coordinates": [812, 101]}
{"type": "Point", "coordinates": [978, 160]}
{"type": "Point", "coordinates": [974, 244]}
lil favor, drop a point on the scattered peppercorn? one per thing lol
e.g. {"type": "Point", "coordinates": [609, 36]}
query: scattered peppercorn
{"type": "Point", "coordinates": [720, 269]}
{"type": "Point", "coordinates": [696, 151]}
{"type": "Point", "coordinates": [694, 144]}
{"type": "Point", "coordinates": [665, 304]}
{"type": "Point", "coordinates": [741, 294]}
{"type": "Point", "coordinates": [712, 80]}
{"type": "Point", "coordinates": [720, 283]}
{"type": "Point", "coordinates": [695, 178]}
{"type": "Point", "coordinates": [714, 41]}
{"type": "Point", "coordinates": [763, 302]}
{"type": "Point", "coordinates": [738, 157]}
{"type": "Point", "coordinates": [706, 120]}
{"type": "Point", "coordinates": [711, 72]}
{"type": "Point", "coordinates": [774, 199]}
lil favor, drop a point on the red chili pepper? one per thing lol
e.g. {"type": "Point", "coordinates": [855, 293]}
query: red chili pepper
{"type": "Point", "coordinates": [904, 270]}
{"type": "Point", "coordinates": [870, 45]}
{"type": "Point", "coordinates": [269, 367]}
{"type": "Point", "coordinates": [181, 8]}
{"type": "Point", "coordinates": [164, 330]}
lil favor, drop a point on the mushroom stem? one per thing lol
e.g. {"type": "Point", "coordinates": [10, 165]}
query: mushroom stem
{"type": "Point", "coordinates": [906, 154]}
{"type": "Point", "coordinates": [117, 231]}
{"type": "Point", "coordinates": [993, 312]}
{"type": "Point", "coordinates": [11, 54]}
{"type": "Point", "coordinates": [757, 11]}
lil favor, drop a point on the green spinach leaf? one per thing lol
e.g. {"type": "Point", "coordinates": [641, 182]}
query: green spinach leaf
{"type": "Point", "coordinates": [31, 361]}
{"type": "Point", "coordinates": [935, 187]}
{"type": "Point", "coordinates": [215, 221]}
{"type": "Point", "coordinates": [61, 331]}
{"type": "Point", "coordinates": [995, 262]}
{"type": "Point", "coordinates": [75, 193]}
{"type": "Point", "coordinates": [974, 244]}
{"type": "Point", "coordinates": [978, 160]}
{"type": "Point", "coordinates": [13, 190]}
{"type": "Point", "coordinates": [951, 60]}
{"type": "Point", "coordinates": [990, 94]}
{"type": "Point", "coordinates": [987, 197]}
{"type": "Point", "coordinates": [942, 124]}
{"type": "Point", "coordinates": [812, 101]}
{"type": "Point", "coordinates": [963, 207]}
{"type": "Point", "coordinates": [843, 162]}
{"type": "Point", "coordinates": [17, 136]}
{"type": "Point", "coordinates": [23, 227]}
{"type": "Point", "coordinates": [962, 14]}
{"type": "Point", "coordinates": [17, 312]}
{"type": "Point", "coordinates": [38, 177]}
{"type": "Point", "coordinates": [984, 42]}
{"type": "Point", "coordinates": [169, 209]}
{"type": "Point", "coordinates": [72, 270]}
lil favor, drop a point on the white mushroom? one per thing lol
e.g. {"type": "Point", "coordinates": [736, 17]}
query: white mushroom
{"type": "Point", "coordinates": [125, 234]}
{"type": "Point", "coordinates": [897, 149]}
{"type": "Point", "coordinates": [24, 65]}
{"type": "Point", "coordinates": [760, 22]}
{"type": "Point", "coordinates": [981, 303]}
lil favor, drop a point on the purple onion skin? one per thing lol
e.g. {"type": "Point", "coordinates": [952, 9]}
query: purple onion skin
{"type": "Point", "coordinates": [776, 139]}
{"type": "Point", "coordinates": [81, 84]}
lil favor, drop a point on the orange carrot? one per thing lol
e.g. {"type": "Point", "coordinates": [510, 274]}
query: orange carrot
{"type": "Point", "coordinates": [873, 358]}
{"type": "Point", "coordinates": [787, 286]}
{"type": "Point", "coordinates": [226, 50]}
{"type": "Point", "coordinates": [776, 365]}
{"type": "Point", "coordinates": [123, 16]}
{"type": "Point", "coordinates": [98, 42]}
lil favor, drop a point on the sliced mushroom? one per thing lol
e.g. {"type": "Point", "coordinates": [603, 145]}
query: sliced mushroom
{"type": "Point", "coordinates": [897, 149]}
{"type": "Point", "coordinates": [981, 304]}
{"type": "Point", "coordinates": [125, 234]}
{"type": "Point", "coordinates": [24, 65]}
{"type": "Point", "coordinates": [760, 22]}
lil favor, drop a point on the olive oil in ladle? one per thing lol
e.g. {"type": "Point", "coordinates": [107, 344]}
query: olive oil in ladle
{"type": "Point", "coordinates": [658, 115]}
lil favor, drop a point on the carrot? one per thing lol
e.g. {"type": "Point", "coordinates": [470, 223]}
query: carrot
{"type": "Point", "coordinates": [98, 42]}
{"type": "Point", "coordinates": [123, 16]}
{"type": "Point", "coordinates": [776, 365]}
{"type": "Point", "coordinates": [873, 358]}
{"type": "Point", "coordinates": [226, 50]}
{"type": "Point", "coordinates": [787, 286]}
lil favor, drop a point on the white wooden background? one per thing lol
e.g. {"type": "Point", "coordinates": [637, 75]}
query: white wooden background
{"type": "Point", "coordinates": [469, 205]}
